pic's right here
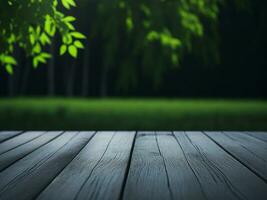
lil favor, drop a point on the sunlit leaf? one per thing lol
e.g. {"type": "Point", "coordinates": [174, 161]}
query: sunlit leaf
{"type": "Point", "coordinates": [10, 60]}
{"type": "Point", "coordinates": [78, 35]}
{"type": "Point", "coordinates": [73, 51]}
{"type": "Point", "coordinates": [45, 39]}
{"type": "Point", "coordinates": [37, 48]}
{"type": "Point", "coordinates": [35, 62]}
{"type": "Point", "coordinates": [65, 4]}
{"type": "Point", "coordinates": [9, 69]}
{"type": "Point", "coordinates": [70, 26]}
{"type": "Point", "coordinates": [78, 44]}
{"type": "Point", "coordinates": [63, 49]}
{"type": "Point", "coordinates": [71, 2]}
{"type": "Point", "coordinates": [67, 39]}
{"type": "Point", "coordinates": [69, 19]}
{"type": "Point", "coordinates": [32, 39]}
{"type": "Point", "coordinates": [45, 55]}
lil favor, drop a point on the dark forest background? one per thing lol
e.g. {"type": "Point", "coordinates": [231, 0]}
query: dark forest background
{"type": "Point", "coordinates": [240, 70]}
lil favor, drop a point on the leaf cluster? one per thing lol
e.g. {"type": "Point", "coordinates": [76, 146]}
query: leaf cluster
{"type": "Point", "coordinates": [31, 25]}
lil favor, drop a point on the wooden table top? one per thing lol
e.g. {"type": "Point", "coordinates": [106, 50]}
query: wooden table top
{"type": "Point", "coordinates": [125, 165]}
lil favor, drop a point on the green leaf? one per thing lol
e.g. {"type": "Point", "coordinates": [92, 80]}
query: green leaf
{"type": "Point", "coordinates": [45, 55]}
{"type": "Point", "coordinates": [129, 23]}
{"type": "Point", "coordinates": [70, 26]}
{"type": "Point", "coordinates": [78, 35]}
{"type": "Point", "coordinates": [41, 59]}
{"type": "Point", "coordinates": [68, 3]}
{"type": "Point", "coordinates": [35, 62]}
{"type": "Point", "coordinates": [50, 27]}
{"type": "Point", "coordinates": [55, 3]}
{"type": "Point", "coordinates": [67, 39]}
{"type": "Point", "coordinates": [11, 39]}
{"type": "Point", "coordinates": [63, 49]}
{"type": "Point", "coordinates": [73, 51]}
{"type": "Point", "coordinates": [38, 30]}
{"type": "Point", "coordinates": [53, 30]}
{"type": "Point", "coordinates": [152, 35]}
{"type": "Point", "coordinates": [45, 39]}
{"type": "Point", "coordinates": [69, 19]}
{"type": "Point", "coordinates": [10, 60]}
{"type": "Point", "coordinates": [78, 44]}
{"type": "Point", "coordinates": [47, 26]}
{"type": "Point", "coordinates": [37, 48]}
{"type": "Point", "coordinates": [32, 39]}
{"type": "Point", "coordinates": [65, 4]}
{"type": "Point", "coordinates": [71, 2]}
{"type": "Point", "coordinates": [9, 69]}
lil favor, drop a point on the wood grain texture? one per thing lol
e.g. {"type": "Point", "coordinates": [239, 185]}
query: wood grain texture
{"type": "Point", "coordinates": [29, 176]}
{"type": "Point", "coordinates": [182, 180]}
{"type": "Point", "coordinates": [259, 135]}
{"type": "Point", "coordinates": [219, 174]}
{"type": "Point", "coordinates": [97, 172]}
{"type": "Point", "coordinates": [19, 140]}
{"type": "Point", "coordinates": [129, 166]}
{"type": "Point", "coordinates": [5, 135]}
{"type": "Point", "coordinates": [8, 158]}
{"type": "Point", "coordinates": [249, 151]}
{"type": "Point", "coordinates": [147, 177]}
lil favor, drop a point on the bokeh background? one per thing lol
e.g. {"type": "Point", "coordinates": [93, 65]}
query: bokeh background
{"type": "Point", "coordinates": [220, 84]}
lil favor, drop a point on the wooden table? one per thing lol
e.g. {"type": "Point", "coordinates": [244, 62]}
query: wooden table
{"type": "Point", "coordinates": [130, 165]}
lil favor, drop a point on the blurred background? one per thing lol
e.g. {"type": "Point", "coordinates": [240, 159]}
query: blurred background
{"type": "Point", "coordinates": [126, 79]}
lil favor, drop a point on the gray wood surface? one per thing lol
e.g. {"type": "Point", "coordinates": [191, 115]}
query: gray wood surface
{"type": "Point", "coordinates": [5, 135]}
{"type": "Point", "coordinates": [9, 157]}
{"type": "Point", "coordinates": [182, 180]}
{"type": "Point", "coordinates": [259, 135]}
{"type": "Point", "coordinates": [250, 151]}
{"type": "Point", "coordinates": [125, 165]}
{"type": "Point", "coordinates": [97, 172]}
{"type": "Point", "coordinates": [147, 177]}
{"type": "Point", "coordinates": [19, 140]}
{"type": "Point", "coordinates": [219, 174]}
{"type": "Point", "coordinates": [29, 176]}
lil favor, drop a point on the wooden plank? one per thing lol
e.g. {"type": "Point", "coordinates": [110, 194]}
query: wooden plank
{"type": "Point", "coordinates": [219, 174]}
{"type": "Point", "coordinates": [97, 172]}
{"type": "Point", "coordinates": [35, 171]}
{"type": "Point", "coordinates": [19, 140]}
{"type": "Point", "coordinates": [8, 158]}
{"type": "Point", "coordinates": [147, 177]}
{"type": "Point", "coordinates": [5, 135]}
{"type": "Point", "coordinates": [182, 180]}
{"type": "Point", "coordinates": [248, 150]}
{"type": "Point", "coordinates": [259, 135]}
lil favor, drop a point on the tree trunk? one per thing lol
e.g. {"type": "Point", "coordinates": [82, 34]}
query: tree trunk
{"type": "Point", "coordinates": [104, 81]}
{"type": "Point", "coordinates": [85, 74]}
{"type": "Point", "coordinates": [25, 76]}
{"type": "Point", "coordinates": [11, 92]}
{"type": "Point", "coordinates": [51, 71]}
{"type": "Point", "coordinates": [70, 79]}
{"type": "Point", "coordinates": [13, 80]}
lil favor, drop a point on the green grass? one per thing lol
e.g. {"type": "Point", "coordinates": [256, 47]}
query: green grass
{"type": "Point", "coordinates": [131, 114]}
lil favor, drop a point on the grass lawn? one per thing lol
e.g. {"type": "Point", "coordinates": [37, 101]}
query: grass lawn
{"type": "Point", "coordinates": [131, 114]}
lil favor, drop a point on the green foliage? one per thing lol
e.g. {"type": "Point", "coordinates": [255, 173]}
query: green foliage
{"type": "Point", "coordinates": [68, 3]}
{"type": "Point", "coordinates": [30, 25]}
{"type": "Point", "coordinates": [152, 35]}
